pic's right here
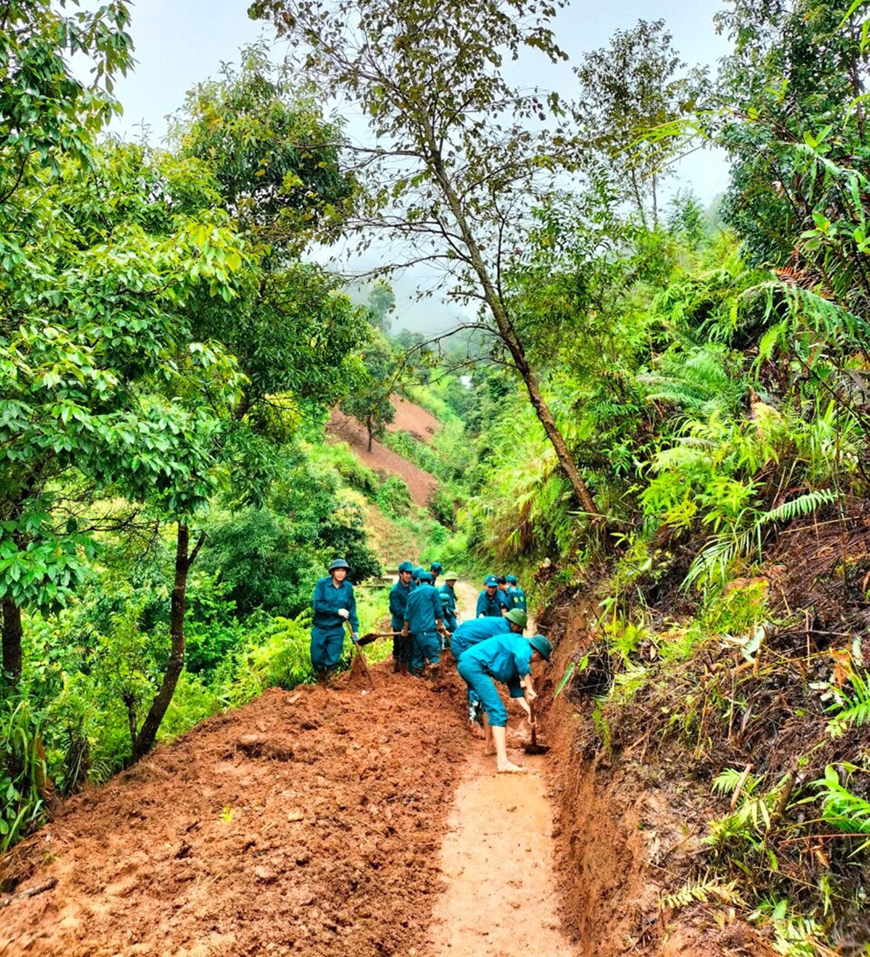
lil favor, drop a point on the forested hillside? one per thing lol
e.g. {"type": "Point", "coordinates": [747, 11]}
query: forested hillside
{"type": "Point", "coordinates": [653, 412]}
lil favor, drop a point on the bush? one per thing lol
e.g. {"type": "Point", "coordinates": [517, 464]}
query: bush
{"type": "Point", "coordinates": [23, 777]}
{"type": "Point", "coordinates": [393, 497]}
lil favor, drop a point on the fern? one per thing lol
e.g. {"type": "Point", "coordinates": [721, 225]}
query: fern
{"type": "Point", "coordinates": [713, 562]}
{"type": "Point", "coordinates": [856, 710]}
{"type": "Point", "coordinates": [701, 892]}
{"type": "Point", "coordinates": [798, 507]}
{"type": "Point", "coordinates": [840, 807]}
{"type": "Point", "coordinates": [730, 778]}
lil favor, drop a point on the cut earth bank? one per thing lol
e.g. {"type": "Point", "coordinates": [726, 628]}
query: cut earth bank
{"type": "Point", "coordinates": [322, 822]}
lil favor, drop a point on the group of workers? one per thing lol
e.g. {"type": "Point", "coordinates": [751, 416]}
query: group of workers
{"type": "Point", "coordinates": [423, 618]}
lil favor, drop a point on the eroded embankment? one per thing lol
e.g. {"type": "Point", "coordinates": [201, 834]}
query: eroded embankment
{"type": "Point", "coordinates": [628, 830]}
{"type": "Point", "coordinates": [343, 792]}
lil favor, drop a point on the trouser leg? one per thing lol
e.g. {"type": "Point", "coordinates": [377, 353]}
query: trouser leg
{"type": "Point", "coordinates": [334, 646]}
{"type": "Point", "coordinates": [484, 687]}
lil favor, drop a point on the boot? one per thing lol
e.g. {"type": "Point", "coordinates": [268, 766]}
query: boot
{"type": "Point", "coordinates": [397, 667]}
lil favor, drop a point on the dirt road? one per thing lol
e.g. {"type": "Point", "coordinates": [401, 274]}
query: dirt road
{"type": "Point", "coordinates": [313, 822]}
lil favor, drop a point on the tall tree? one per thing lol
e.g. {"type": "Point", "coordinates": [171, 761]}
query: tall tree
{"type": "Point", "coordinates": [97, 364]}
{"type": "Point", "coordinates": [462, 155]}
{"type": "Point", "coordinates": [634, 84]}
{"type": "Point", "coordinates": [369, 402]}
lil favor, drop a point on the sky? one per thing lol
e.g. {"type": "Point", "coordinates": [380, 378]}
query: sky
{"type": "Point", "coordinates": [179, 43]}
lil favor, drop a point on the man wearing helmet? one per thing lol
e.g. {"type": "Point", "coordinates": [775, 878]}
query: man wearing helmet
{"type": "Point", "coordinates": [424, 618]}
{"type": "Point", "coordinates": [490, 602]}
{"type": "Point", "coordinates": [398, 603]}
{"type": "Point", "coordinates": [334, 604]}
{"type": "Point", "coordinates": [473, 632]}
{"type": "Point", "coordinates": [509, 659]}
{"type": "Point", "coordinates": [448, 602]}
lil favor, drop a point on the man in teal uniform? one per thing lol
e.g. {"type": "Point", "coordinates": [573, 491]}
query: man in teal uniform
{"type": "Point", "coordinates": [475, 631]}
{"type": "Point", "coordinates": [489, 602]}
{"type": "Point", "coordinates": [448, 602]}
{"type": "Point", "coordinates": [334, 604]}
{"type": "Point", "coordinates": [509, 659]}
{"type": "Point", "coordinates": [423, 620]}
{"type": "Point", "coordinates": [435, 570]}
{"type": "Point", "coordinates": [504, 592]}
{"type": "Point", "coordinates": [516, 595]}
{"type": "Point", "coordinates": [398, 602]}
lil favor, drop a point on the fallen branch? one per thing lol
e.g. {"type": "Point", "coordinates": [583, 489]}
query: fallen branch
{"type": "Point", "coordinates": [30, 892]}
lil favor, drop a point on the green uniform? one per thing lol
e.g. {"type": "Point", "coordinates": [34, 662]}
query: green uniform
{"type": "Point", "coordinates": [421, 613]}
{"type": "Point", "coordinates": [448, 605]}
{"type": "Point", "coordinates": [517, 597]}
{"type": "Point", "coordinates": [399, 595]}
{"type": "Point", "coordinates": [328, 628]}
{"type": "Point", "coordinates": [505, 658]}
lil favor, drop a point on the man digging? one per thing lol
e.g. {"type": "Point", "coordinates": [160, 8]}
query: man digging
{"type": "Point", "coordinates": [509, 659]}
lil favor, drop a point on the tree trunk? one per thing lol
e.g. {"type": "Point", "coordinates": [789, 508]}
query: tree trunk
{"type": "Point", "coordinates": [371, 430]}
{"type": "Point", "coordinates": [511, 340]}
{"type": "Point", "coordinates": [184, 559]}
{"type": "Point", "coordinates": [12, 635]}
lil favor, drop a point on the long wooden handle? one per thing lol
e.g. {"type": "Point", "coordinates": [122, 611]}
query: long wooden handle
{"type": "Point", "coordinates": [534, 724]}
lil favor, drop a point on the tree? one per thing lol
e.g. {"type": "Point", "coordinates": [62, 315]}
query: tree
{"type": "Point", "coordinates": [369, 403]}
{"type": "Point", "coordinates": [462, 156]}
{"type": "Point", "coordinates": [381, 301]}
{"type": "Point", "coordinates": [98, 367]}
{"type": "Point", "coordinates": [628, 88]}
{"type": "Point", "coordinates": [295, 334]}
{"type": "Point", "coordinates": [46, 113]}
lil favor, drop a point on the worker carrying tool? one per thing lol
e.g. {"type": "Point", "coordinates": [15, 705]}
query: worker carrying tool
{"type": "Point", "coordinates": [509, 659]}
{"type": "Point", "coordinates": [334, 604]}
{"type": "Point", "coordinates": [399, 594]}
{"type": "Point", "coordinates": [490, 602]}
{"type": "Point", "coordinates": [423, 622]}
{"type": "Point", "coordinates": [448, 602]}
{"type": "Point", "coordinates": [473, 632]}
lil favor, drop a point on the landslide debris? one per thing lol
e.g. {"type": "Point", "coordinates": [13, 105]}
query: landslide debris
{"type": "Point", "coordinates": [308, 822]}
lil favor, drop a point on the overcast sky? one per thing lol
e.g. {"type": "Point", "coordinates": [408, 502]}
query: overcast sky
{"type": "Point", "coordinates": [181, 42]}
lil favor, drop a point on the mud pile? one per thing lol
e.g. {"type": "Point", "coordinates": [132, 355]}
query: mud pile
{"type": "Point", "coordinates": [308, 822]}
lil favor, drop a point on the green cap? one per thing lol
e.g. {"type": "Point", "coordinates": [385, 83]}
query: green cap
{"type": "Point", "coordinates": [406, 567]}
{"type": "Point", "coordinates": [450, 577]}
{"type": "Point", "coordinates": [518, 617]}
{"type": "Point", "coordinates": [338, 563]}
{"type": "Point", "coordinates": [540, 643]}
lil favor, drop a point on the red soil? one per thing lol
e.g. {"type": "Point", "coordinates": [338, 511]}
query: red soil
{"type": "Point", "coordinates": [411, 418]}
{"type": "Point", "coordinates": [307, 822]}
{"type": "Point", "coordinates": [421, 484]}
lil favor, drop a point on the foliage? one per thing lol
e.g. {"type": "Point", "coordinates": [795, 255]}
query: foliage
{"type": "Point", "coordinates": [854, 710]}
{"type": "Point", "coordinates": [23, 777]}
{"type": "Point", "coordinates": [627, 88]}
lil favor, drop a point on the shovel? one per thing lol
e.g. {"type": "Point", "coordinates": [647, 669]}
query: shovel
{"type": "Point", "coordinates": [371, 636]}
{"type": "Point", "coordinates": [360, 657]}
{"type": "Point", "coordinates": [534, 747]}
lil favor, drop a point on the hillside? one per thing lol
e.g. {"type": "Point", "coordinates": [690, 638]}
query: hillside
{"type": "Point", "coordinates": [413, 419]}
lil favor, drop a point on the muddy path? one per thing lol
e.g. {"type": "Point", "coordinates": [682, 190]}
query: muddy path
{"type": "Point", "coordinates": [315, 822]}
